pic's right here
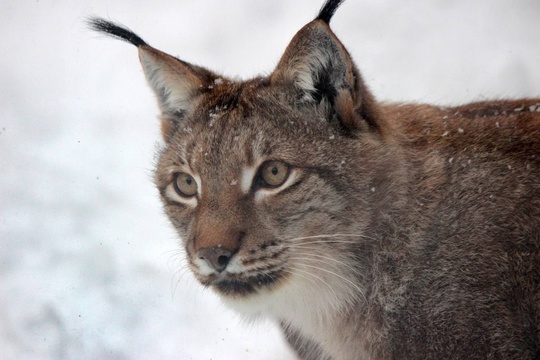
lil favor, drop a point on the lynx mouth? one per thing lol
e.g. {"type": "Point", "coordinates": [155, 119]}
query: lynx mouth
{"type": "Point", "coordinates": [235, 287]}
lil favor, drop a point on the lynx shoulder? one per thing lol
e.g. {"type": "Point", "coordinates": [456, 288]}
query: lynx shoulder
{"type": "Point", "coordinates": [366, 230]}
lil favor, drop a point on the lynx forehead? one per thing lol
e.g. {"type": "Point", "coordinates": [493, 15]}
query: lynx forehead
{"type": "Point", "coordinates": [366, 230]}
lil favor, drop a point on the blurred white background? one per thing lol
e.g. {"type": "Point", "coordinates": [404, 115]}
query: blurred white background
{"type": "Point", "coordinates": [89, 267]}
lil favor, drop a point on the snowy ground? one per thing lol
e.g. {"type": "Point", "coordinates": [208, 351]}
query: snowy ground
{"type": "Point", "coordinates": [89, 267]}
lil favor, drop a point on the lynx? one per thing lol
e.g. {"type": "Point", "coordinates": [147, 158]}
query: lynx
{"type": "Point", "coordinates": [366, 230]}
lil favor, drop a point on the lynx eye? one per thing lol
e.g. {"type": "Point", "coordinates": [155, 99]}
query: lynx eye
{"type": "Point", "coordinates": [185, 185]}
{"type": "Point", "coordinates": [273, 173]}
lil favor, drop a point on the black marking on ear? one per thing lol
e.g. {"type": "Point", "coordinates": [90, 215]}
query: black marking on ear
{"type": "Point", "coordinates": [324, 88]}
{"type": "Point", "coordinates": [115, 30]}
{"type": "Point", "coordinates": [328, 9]}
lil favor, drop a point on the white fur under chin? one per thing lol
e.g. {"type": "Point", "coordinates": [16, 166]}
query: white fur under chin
{"type": "Point", "coordinates": [309, 306]}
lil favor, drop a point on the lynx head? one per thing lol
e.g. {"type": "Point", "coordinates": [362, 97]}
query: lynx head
{"type": "Point", "coordinates": [270, 182]}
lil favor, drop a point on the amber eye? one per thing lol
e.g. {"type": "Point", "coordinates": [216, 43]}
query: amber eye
{"type": "Point", "coordinates": [273, 173]}
{"type": "Point", "coordinates": [185, 185]}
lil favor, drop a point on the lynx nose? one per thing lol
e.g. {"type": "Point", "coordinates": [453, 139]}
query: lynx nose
{"type": "Point", "coordinates": [217, 257]}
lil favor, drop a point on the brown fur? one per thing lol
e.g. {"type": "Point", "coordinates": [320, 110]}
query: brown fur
{"type": "Point", "coordinates": [404, 231]}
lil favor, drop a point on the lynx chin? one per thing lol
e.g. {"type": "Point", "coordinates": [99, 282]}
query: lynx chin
{"type": "Point", "coordinates": [366, 230]}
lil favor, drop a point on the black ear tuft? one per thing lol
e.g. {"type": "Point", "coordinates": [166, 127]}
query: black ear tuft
{"type": "Point", "coordinates": [328, 9]}
{"type": "Point", "coordinates": [115, 30]}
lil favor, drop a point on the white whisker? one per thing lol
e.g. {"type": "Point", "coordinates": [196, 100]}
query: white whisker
{"type": "Point", "coordinates": [321, 242]}
{"type": "Point", "coordinates": [331, 235]}
{"type": "Point", "coordinates": [329, 258]}
{"type": "Point", "coordinates": [181, 272]}
{"type": "Point", "coordinates": [313, 279]}
{"type": "Point", "coordinates": [360, 291]}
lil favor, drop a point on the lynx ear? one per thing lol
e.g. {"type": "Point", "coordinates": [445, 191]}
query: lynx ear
{"type": "Point", "coordinates": [176, 83]}
{"type": "Point", "coordinates": [322, 73]}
